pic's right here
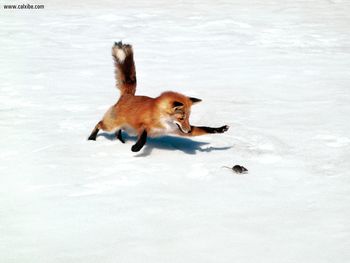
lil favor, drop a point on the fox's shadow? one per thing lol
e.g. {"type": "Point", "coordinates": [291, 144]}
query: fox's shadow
{"type": "Point", "coordinates": [185, 145]}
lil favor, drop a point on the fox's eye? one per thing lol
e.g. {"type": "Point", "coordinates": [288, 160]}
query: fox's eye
{"type": "Point", "coordinates": [182, 117]}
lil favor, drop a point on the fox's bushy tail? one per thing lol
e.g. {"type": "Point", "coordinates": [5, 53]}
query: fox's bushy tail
{"type": "Point", "coordinates": [125, 72]}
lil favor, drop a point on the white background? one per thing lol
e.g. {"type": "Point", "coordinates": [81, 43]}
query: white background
{"type": "Point", "coordinates": [276, 71]}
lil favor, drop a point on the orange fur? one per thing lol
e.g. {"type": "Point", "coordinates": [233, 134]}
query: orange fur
{"type": "Point", "coordinates": [166, 114]}
{"type": "Point", "coordinates": [140, 113]}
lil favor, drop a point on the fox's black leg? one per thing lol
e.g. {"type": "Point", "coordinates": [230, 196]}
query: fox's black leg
{"type": "Point", "coordinates": [202, 130]}
{"type": "Point", "coordinates": [94, 134]}
{"type": "Point", "coordinates": [119, 136]}
{"type": "Point", "coordinates": [95, 131]}
{"type": "Point", "coordinates": [140, 142]}
{"type": "Point", "coordinates": [221, 129]}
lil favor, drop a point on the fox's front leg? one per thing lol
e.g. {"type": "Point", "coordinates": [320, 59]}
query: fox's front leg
{"type": "Point", "coordinates": [196, 131]}
{"type": "Point", "coordinates": [140, 142]}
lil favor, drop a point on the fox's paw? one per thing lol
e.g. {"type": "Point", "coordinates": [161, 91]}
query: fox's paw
{"type": "Point", "coordinates": [136, 148]}
{"type": "Point", "coordinates": [93, 135]}
{"type": "Point", "coordinates": [221, 129]}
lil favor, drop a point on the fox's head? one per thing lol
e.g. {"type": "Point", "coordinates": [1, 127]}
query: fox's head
{"type": "Point", "coordinates": [181, 114]}
{"type": "Point", "coordinates": [179, 109]}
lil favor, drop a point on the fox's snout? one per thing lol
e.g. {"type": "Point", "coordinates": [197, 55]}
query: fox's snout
{"type": "Point", "coordinates": [183, 127]}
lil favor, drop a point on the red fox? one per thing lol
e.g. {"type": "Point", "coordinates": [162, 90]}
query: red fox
{"type": "Point", "coordinates": [166, 114]}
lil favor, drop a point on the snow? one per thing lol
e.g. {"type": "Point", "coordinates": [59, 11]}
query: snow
{"type": "Point", "coordinates": [276, 71]}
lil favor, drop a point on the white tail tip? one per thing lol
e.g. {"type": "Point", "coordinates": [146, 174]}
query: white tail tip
{"type": "Point", "coordinates": [120, 54]}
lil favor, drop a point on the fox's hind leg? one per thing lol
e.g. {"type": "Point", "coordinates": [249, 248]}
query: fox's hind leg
{"type": "Point", "coordinates": [95, 131]}
{"type": "Point", "coordinates": [140, 142]}
{"type": "Point", "coordinates": [119, 136]}
{"type": "Point", "coordinates": [109, 123]}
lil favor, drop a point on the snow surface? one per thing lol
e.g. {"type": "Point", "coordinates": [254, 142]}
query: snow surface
{"type": "Point", "coordinates": [276, 71]}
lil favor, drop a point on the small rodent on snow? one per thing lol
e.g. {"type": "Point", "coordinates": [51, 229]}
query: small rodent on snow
{"type": "Point", "coordinates": [238, 169]}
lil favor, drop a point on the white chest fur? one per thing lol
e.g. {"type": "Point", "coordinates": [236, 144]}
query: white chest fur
{"type": "Point", "coordinates": [168, 127]}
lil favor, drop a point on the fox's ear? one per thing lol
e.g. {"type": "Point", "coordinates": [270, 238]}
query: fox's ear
{"type": "Point", "coordinates": [177, 105]}
{"type": "Point", "coordinates": [195, 100]}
